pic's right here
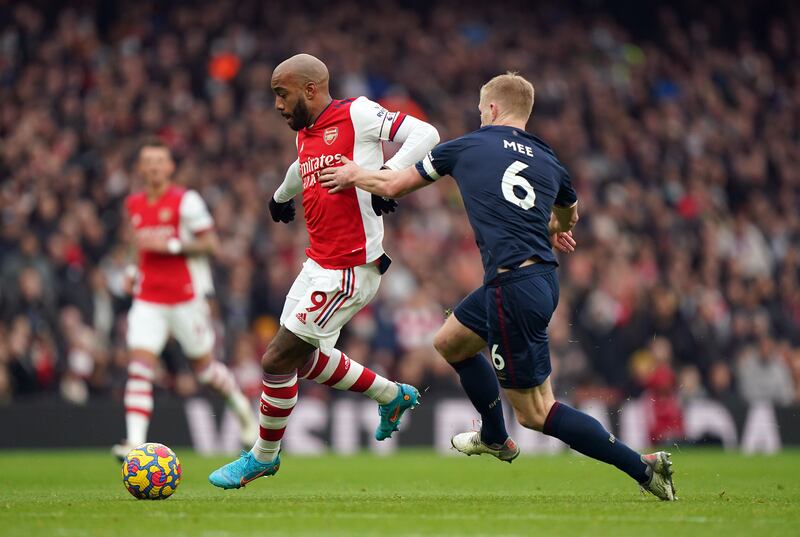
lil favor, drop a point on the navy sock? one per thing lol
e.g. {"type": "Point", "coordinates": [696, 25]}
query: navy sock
{"type": "Point", "coordinates": [585, 434]}
{"type": "Point", "coordinates": [480, 383]}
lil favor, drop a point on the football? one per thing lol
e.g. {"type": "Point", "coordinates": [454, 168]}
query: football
{"type": "Point", "coordinates": [151, 472]}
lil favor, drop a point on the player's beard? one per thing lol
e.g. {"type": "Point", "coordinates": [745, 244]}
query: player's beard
{"type": "Point", "coordinates": [156, 181]}
{"type": "Point", "coordinates": [301, 117]}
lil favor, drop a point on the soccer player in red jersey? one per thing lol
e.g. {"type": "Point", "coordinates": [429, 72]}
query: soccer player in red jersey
{"type": "Point", "coordinates": [345, 255]}
{"type": "Point", "coordinates": [174, 235]}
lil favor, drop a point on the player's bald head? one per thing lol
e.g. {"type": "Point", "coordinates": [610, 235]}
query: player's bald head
{"type": "Point", "coordinates": [300, 85]}
{"type": "Point", "coordinates": [302, 69]}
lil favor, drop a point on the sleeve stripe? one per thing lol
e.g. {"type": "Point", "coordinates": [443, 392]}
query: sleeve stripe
{"type": "Point", "coordinates": [380, 132]}
{"type": "Point", "coordinates": [396, 125]}
{"type": "Point", "coordinates": [427, 165]}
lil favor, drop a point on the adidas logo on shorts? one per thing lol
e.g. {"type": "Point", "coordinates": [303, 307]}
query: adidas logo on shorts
{"type": "Point", "coordinates": [301, 317]}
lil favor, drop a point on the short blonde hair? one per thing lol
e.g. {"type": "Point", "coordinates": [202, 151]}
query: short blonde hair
{"type": "Point", "coordinates": [512, 92]}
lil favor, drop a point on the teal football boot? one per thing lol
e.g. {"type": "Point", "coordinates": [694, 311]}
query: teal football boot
{"type": "Point", "coordinates": [407, 398]}
{"type": "Point", "coordinates": [240, 472]}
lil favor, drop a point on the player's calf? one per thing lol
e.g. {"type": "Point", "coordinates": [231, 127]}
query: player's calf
{"type": "Point", "coordinates": [139, 396]}
{"type": "Point", "coordinates": [339, 372]}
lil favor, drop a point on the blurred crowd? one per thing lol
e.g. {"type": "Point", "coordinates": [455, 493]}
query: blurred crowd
{"type": "Point", "coordinates": [682, 136]}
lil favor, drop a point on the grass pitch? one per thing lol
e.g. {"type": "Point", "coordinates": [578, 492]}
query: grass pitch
{"type": "Point", "coordinates": [69, 493]}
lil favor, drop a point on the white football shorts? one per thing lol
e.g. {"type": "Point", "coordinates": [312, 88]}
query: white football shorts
{"type": "Point", "coordinates": [321, 301]}
{"type": "Point", "coordinates": [150, 325]}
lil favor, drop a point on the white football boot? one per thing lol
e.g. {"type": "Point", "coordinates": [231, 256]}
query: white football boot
{"type": "Point", "coordinates": [470, 444]}
{"type": "Point", "coordinates": [121, 450]}
{"type": "Point", "coordinates": [660, 484]}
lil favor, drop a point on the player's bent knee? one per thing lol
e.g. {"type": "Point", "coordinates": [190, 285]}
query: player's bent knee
{"type": "Point", "coordinates": [531, 421]}
{"type": "Point", "coordinates": [285, 353]}
{"type": "Point", "coordinates": [535, 416]}
{"type": "Point", "coordinates": [442, 345]}
{"type": "Point", "coordinates": [200, 363]}
{"type": "Point", "coordinates": [145, 356]}
{"type": "Point", "coordinates": [449, 347]}
{"type": "Point", "coordinates": [273, 362]}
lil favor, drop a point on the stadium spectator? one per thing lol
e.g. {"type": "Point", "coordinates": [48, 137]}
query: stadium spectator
{"type": "Point", "coordinates": [763, 374]}
{"type": "Point", "coordinates": [681, 134]}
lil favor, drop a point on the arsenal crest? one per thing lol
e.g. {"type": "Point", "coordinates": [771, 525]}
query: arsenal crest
{"type": "Point", "coordinates": [165, 214]}
{"type": "Point", "coordinates": [330, 135]}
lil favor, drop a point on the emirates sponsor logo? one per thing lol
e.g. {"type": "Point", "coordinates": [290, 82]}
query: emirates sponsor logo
{"type": "Point", "coordinates": [330, 135]}
{"type": "Point", "coordinates": [156, 231]}
{"type": "Point", "coordinates": [310, 168]}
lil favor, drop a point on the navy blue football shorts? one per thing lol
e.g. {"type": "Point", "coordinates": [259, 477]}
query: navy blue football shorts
{"type": "Point", "coordinates": [511, 314]}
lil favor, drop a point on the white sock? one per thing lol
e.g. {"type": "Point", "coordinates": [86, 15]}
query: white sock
{"type": "Point", "coordinates": [138, 401]}
{"type": "Point", "coordinates": [278, 398]}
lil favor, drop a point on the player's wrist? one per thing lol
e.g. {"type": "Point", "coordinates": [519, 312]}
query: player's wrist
{"type": "Point", "coordinates": [131, 271]}
{"type": "Point", "coordinates": [174, 245]}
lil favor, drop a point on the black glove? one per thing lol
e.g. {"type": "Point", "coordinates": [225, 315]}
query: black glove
{"type": "Point", "coordinates": [281, 212]}
{"type": "Point", "coordinates": [383, 205]}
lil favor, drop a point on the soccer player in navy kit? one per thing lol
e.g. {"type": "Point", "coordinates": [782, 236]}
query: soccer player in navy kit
{"type": "Point", "coordinates": [520, 202]}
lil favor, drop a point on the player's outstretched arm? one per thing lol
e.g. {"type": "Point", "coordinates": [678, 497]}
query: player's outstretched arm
{"type": "Point", "coordinates": [386, 183]}
{"type": "Point", "coordinates": [417, 138]}
{"type": "Point", "coordinates": [203, 243]}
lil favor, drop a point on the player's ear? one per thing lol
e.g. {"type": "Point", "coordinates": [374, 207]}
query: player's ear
{"type": "Point", "coordinates": [494, 112]}
{"type": "Point", "coordinates": [310, 90]}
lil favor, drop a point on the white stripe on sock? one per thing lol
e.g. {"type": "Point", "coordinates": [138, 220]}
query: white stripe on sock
{"type": "Point", "coordinates": [330, 367]}
{"type": "Point", "coordinates": [269, 422]}
{"type": "Point", "coordinates": [279, 403]}
{"type": "Point", "coordinates": [287, 384]}
{"type": "Point", "coordinates": [141, 402]}
{"type": "Point", "coordinates": [350, 377]}
{"type": "Point", "coordinates": [138, 385]}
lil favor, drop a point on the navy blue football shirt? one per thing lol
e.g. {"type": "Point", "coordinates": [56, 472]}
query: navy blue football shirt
{"type": "Point", "coordinates": [509, 180]}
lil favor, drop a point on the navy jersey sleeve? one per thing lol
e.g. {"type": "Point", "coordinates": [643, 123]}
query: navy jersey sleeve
{"type": "Point", "coordinates": [440, 160]}
{"type": "Point", "coordinates": [566, 196]}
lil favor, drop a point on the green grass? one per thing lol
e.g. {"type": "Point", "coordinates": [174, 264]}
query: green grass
{"type": "Point", "coordinates": [68, 493]}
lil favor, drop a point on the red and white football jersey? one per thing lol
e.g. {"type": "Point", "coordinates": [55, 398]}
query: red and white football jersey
{"type": "Point", "coordinates": [343, 229]}
{"type": "Point", "coordinates": [169, 278]}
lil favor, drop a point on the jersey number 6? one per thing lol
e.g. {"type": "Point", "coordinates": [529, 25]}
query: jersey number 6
{"type": "Point", "coordinates": [511, 180]}
{"type": "Point", "coordinates": [497, 360]}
